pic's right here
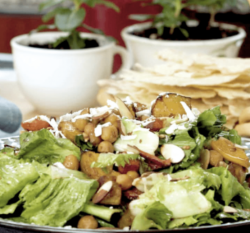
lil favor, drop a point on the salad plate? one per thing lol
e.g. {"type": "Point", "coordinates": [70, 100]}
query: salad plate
{"type": "Point", "coordinates": [7, 226]}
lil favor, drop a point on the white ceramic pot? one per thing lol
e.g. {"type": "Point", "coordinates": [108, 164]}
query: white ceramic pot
{"type": "Point", "coordinates": [60, 81]}
{"type": "Point", "coordinates": [144, 50]}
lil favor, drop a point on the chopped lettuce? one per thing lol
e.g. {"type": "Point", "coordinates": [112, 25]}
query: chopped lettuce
{"type": "Point", "coordinates": [182, 198]}
{"type": "Point", "coordinates": [58, 201]}
{"type": "Point", "coordinates": [14, 174]}
{"type": "Point", "coordinates": [109, 159]}
{"type": "Point", "coordinates": [231, 135]}
{"type": "Point", "coordinates": [43, 147]}
{"type": "Point", "coordinates": [102, 212]}
{"type": "Point", "coordinates": [211, 122]}
{"type": "Point", "coordinates": [184, 139]}
{"type": "Point", "coordinates": [155, 215]}
{"type": "Point", "coordinates": [81, 143]}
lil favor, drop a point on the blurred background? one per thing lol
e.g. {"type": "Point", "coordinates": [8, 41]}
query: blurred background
{"type": "Point", "coordinates": [20, 16]}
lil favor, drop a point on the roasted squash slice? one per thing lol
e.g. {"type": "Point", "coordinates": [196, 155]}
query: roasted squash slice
{"type": "Point", "coordinates": [169, 105]}
{"type": "Point", "coordinates": [87, 158]}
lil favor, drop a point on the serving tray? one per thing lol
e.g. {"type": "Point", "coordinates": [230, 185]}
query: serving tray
{"type": "Point", "coordinates": [7, 226]}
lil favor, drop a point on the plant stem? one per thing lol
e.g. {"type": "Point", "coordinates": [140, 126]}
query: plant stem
{"type": "Point", "coordinates": [212, 17]}
{"type": "Point", "coordinates": [172, 30]}
{"type": "Point", "coordinates": [77, 4]}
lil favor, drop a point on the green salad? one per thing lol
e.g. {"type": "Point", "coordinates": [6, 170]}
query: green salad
{"type": "Point", "coordinates": [127, 166]}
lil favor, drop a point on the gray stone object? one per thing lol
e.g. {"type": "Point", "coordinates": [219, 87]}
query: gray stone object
{"type": "Point", "coordinates": [10, 116]}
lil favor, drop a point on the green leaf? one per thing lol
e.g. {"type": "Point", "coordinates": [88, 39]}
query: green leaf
{"type": "Point", "coordinates": [75, 41]}
{"type": "Point", "coordinates": [109, 159]}
{"type": "Point", "coordinates": [15, 174]}
{"type": "Point", "coordinates": [231, 135]}
{"type": "Point", "coordinates": [61, 200]}
{"type": "Point", "coordinates": [80, 142]}
{"type": "Point", "coordinates": [155, 215]}
{"type": "Point", "coordinates": [43, 147]}
{"type": "Point", "coordinates": [108, 4]}
{"type": "Point", "coordinates": [211, 121]}
{"type": "Point", "coordinates": [184, 32]}
{"type": "Point", "coordinates": [51, 14]}
{"type": "Point", "coordinates": [99, 211]}
{"type": "Point", "coordinates": [67, 20]}
{"type": "Point", "coordinates": [50, 3]}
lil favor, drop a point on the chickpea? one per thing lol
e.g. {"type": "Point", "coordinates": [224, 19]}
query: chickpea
{"type": "Point", "coordinates": [80, 124]}
{"type": "Point", "coordinates": [89, 128]}
{"type": "Point", "coordinates": [95, 122]}
{"type": "Point", "coordinates": [71, 162]}
{"type": "Point", "coordinates": [133, 174]}
{"type": "Point", "coordinates": [94, 140]}
{"type": "Point", "coordinates": [69, 130]}
{"type": "Point", "coordinates": [87, 222]}
{"type": "Point", "coordinates": [113, 119]}
{"type": "Point", "coordinates": [115, 173]}
{"type": "Point", "coordinates": [124, 181]}
{"type": "Point", "coordinates": [105, 147]}
{"type": "Point", "coordinates": [109, 133]}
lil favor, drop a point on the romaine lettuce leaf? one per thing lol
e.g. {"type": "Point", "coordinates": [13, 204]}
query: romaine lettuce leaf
{"type": "Point", "coordinates": [210, 122]}
{"type": "Point", "coordinates": [43, 147]}
{"type": "Point", "coordinates": [10, 209]}
{"type": "Point", "coordinates": [110, 159]}
{"type": "Point", "coordinates": [155, 215]}
{"type": "Point", "coordinates": [99, 211]}
{"type": "Point", "coordinates": [60, 199]}
{"type": "Point", "coordinates": [184, 139]}
{"type": "Point", "coordinates": [231, 135]}
{"type": "Point", "coordinates": [15, 174]}
{"type": "Point", "coordinates": [182, 222]}
{"type": "Point", "coordinates": [230, 187]}
{"type": "Point", "coordinates": [182, 198]}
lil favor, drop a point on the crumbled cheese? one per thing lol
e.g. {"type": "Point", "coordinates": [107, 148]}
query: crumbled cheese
{"type": "Point", "coordinates": [98, 111]}
{"type": "Point", "coordinates": [173, 127]}
{"type": "Point", "coordinates": [69, 116]}
{"type": "Point", "coordinates": [145, 112]}
{"type": "Point", "coordinates": [127, 100]}
{"type": "Point", "coordinates": [59, 165]}
{"type": "Point", "coordinates": [112, 104]}
{"type": "Point", "coordinates": [196, 112]}
{"type": "Point", "coordinates": [189, 113]}
{"type": "Point", "coordinates": [84, 116]}
{"type": "Point", "coordinates": [98, 128]}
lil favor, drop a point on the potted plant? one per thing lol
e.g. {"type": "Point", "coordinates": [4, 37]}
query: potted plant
{"type": "Point", "coordinates": [57, 70]}
{"type": "Point", "coordinates": [171, 28]}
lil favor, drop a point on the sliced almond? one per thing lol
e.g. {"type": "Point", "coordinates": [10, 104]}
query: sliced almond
{"type": "Point", "coordinates": [153, 159]}
{"type": "Point", "coordinates": [123, 108]}
{"type": "Point", "coordinates": [204, 158]}
{"type": "Point", "coordinates": [132, 149]}
{"type": "Point", "coordinates": [229, 210]}
{"type": "Point", "coordinates": [172, 152]}
{"type": "Point", "coordinates": [122, 128]}
{"type": "Point", "coordinates": [101, 115]}
{"type": "Point", "coordinates": [102, 192]}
